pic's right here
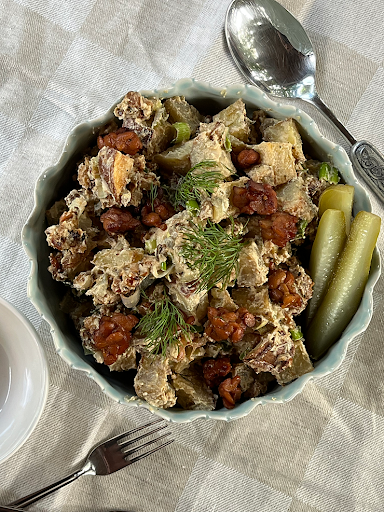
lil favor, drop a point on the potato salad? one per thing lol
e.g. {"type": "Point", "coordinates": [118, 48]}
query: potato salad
{"type": "Point", "coordinates": [185, 246]}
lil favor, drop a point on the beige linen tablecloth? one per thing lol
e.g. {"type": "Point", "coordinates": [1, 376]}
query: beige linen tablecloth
{"type": "Point", "coordinates": [63, 62]}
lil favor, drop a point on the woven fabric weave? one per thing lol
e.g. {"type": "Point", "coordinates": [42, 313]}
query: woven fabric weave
{"type": "Point", "coordinates": [65, 62]}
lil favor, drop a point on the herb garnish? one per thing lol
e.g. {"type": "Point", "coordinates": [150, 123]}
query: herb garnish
{"type": "Point", "coordinates": [163, 326]}
{"type": "Point", "coordinates": [192, 186]}
{"type": "Point", "coordinates": [152, 195]}
{"type": "Point", "coordinates": [212, 251]}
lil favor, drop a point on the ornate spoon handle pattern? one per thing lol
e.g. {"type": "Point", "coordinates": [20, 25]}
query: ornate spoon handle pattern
{"type": "Point", "coordinates": [369, 164]}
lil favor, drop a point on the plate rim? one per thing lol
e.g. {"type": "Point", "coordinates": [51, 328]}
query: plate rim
{"type": "Point", "coordinates": [46, 379]}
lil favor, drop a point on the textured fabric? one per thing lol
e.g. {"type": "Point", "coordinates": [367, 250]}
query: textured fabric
{"type": "Point", "coordinates": [65, 62]}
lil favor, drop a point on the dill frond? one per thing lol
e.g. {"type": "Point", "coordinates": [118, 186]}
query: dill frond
{"type": "Point", "coordinates": [213, 252]}
{"type": "Point", "coordinates": [192, 185]}
{"type": "Point", "coordinates": [163, 326]}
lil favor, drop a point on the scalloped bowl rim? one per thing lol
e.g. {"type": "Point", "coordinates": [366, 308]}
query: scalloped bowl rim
{"type": "Point", "coordinates": [330, 362]}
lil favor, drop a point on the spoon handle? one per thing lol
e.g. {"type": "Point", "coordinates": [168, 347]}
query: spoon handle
{"type": "Point", "coordinates": [369, 164]}
{"type": "Point", "coordinates": [366, 159]}
{"type": "Point", "coordinates": [319, 103]}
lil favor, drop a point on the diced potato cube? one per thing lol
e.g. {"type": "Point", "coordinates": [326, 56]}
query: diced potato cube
{"type": "Point", "coordinates": [162, 135]}
{"type": "Point", "coordinates": [125, 361]}
{"type": "Point", "coordinates": [218, 206]}
{"type": "Point", "coordinates": [221, 299]}
{"type": "Point", "coordinates": [256, 300]}
{"type": "Point", "coordinates": [176, 158]}
{"type": "Point", "coordinates": [151, 382]}
{"type": "Point", "coordinates": [252, 269]}
{"type": "Point", "coordinates": [180, 111]}
{"type": "Point", "coordinates": [277, 164]}
{"type": "Point", "coordinates": [284, 131]}
{"type": "Point", "coordinates": [209, 144]}
{"type": "Point", "coordinates": [301, 364]}
{"type": "Point", "coordinates": [246, 374]}
{"type": "Point", "coordinates": [192, 393]}
{"type": "Point", "coordinates": [235, 118]}
{"type": "Point", "coordinates": [292, 198]}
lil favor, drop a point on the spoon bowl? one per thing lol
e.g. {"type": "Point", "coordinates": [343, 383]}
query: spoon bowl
{"type": "Point", "coordinates": [271, 46]}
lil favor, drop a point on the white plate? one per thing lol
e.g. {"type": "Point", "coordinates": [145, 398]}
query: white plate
{"type": "Point", "coordinates": [23, 379]}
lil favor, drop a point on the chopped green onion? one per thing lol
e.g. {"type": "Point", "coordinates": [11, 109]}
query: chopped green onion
{"type": "Point", "coordinates": [243, 354]}
{"type": "Point", "coordinates": [227, 144]}
{"type": "Point", "coordinates": [296, 334]}
{"type": "Point", "coordinates": [324, 171]}
{"type": "Point", "coordinates": [328, 173]}
{"type": "Point", "coordinates": [192, 206]}
{"type": "Point", "coordinates": [301, 226]}
{"type": "Point", "coordinates": [163, 265]}
{"type": "Point", "coordinates": [334, 176]}
{"type": "Point", "coordinates": [183, 132]}
{"type": "Point", "coordinates": [150, 246]}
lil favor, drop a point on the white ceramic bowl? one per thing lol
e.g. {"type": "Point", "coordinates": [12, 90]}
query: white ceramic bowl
{"type": "Point", "coordinates": [23, 379]}
{"type": "Point", "coordinates": [45, 294]}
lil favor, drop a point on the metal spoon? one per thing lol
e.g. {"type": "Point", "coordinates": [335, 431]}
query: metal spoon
{"type": "Point", "coordinates": [273, 51]}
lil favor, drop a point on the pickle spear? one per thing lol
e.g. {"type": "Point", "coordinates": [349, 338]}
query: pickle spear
{"type": "Point", "coordinates": [346, 287]}
{"type": "Point", "coordinates": [339, 197]}
{"type": "Point", "coordinates": [326, 249]}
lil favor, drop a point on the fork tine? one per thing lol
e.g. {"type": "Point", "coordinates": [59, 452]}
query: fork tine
{"type": "Point", "coordinates": [150, 451]}
{"type": "Point", "coordinates": [131, 441]}
{"type": "Point", "coordinates": [133, 431]}
{"type": "Point", "coordinates": [137, 448]}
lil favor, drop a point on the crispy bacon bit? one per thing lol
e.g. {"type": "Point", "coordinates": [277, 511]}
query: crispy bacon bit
{"type": "Point", "coordinates": [279, 227]}
{"type": "Point", "coordinates": [228, 325]}
{"type": "Point", "coordinates": [230, 392]}
{"type": "Point", "coordinates": [125, 141]}
{"type": "Point", "coordinates": [151, 219]}
{"type": "Point", "coordinates": [282, 290]}
{"type": "Point", "coordinates": [247, 158]}
{"type": "Point", "coordinates": [114, 335]}
{"type": "Point", "coordinates": [246, 317]}
{"type": "Point", "coordinates": [118, 220]}
{"type": "Point", "coordinates": [214, 370]}
{"type": "Point", "coordinates": [255, 198]}
{"type": "Point", "coordinates": [155, 214]}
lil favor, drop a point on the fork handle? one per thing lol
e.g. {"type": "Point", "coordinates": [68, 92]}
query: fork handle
{"type": "Point", "coordinates": [88, 469]}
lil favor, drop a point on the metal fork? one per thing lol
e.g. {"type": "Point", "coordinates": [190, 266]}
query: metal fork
{"type": "Point", "coordinates": [104, 459]}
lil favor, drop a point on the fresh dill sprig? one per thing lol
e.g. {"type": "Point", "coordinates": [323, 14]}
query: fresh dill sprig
{"type": "Point", "coordinates": [212, 251]}
{"type": "Point", "coordinates": [163, 326]}
{"type": "Point", "coordinates": [152, 195]}
{"type": "Point", "coordinates": [192, 185]}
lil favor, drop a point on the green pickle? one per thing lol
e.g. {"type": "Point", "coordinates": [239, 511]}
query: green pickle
{"type": "Point", "coordinates": [346, 287]}
{"type": "Point", "coordinates": [338, 197]}
{"type": "Point", "coordinates": [326, 249]}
